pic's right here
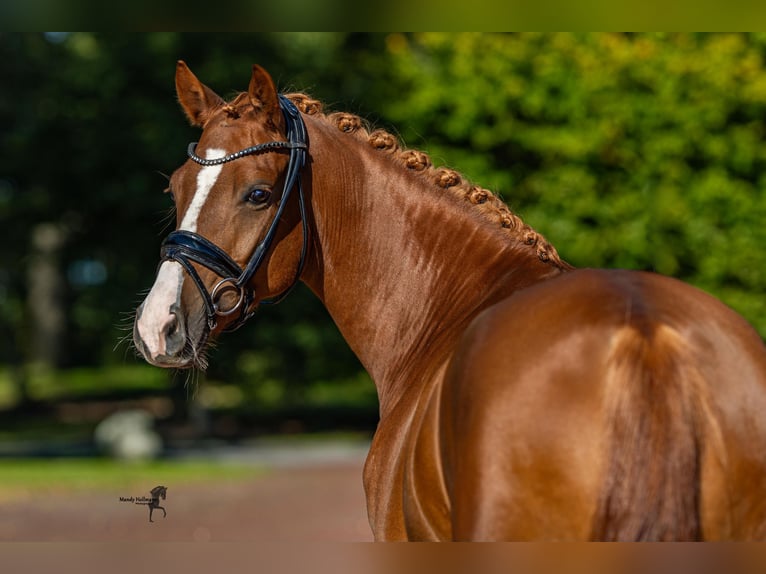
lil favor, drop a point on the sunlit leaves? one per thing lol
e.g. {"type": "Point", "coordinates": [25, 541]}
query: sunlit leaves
{"type": "Point", "coordinates": [644, 151]}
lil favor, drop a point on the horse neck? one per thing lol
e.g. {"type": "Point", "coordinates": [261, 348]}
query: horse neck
{"type": "Point", "coordinates": [401, 265]}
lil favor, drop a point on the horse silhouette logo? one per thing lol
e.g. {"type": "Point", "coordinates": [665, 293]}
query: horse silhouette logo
{"type": "Point", "coordinates": [154, 501]}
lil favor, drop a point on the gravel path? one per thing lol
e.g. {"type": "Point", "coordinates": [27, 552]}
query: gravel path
{"type": "Point", "coordinates": [316, 502]}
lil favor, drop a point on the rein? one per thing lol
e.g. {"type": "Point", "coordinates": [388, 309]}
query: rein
{"type": "Point", "coordinates": [187, 247]}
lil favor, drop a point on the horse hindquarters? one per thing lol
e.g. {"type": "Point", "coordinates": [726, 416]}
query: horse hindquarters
{"type": "Point", "coordinates": [607, 405]}
{"type": "Point", "coordinates": [685, 398]}
{"type": "Point", "coordinates": [522, 424]}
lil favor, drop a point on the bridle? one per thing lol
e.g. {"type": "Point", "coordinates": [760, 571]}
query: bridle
{"type": "Point", "coordinates": [187, 247]}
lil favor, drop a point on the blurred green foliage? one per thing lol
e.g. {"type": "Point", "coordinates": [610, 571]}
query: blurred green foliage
{"type": "Point", "coordinates": [643, 151]}
{"type": "Point", "coordinates": [76, 383]}
{"type": "Point", "coordinates": [640, 151]}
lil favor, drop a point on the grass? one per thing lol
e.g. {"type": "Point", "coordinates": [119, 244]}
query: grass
{"type": "Point", "coordinates": [47, 385]}
{"type": "Point", "coordinates": [85, 381]}
{"type": "Point", "coordinates": [24, 478]}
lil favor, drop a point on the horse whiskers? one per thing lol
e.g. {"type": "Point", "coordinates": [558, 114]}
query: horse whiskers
{"type": "Point", "coordinates": [200, 360]}
{"type": "Point", "coordinates": [196, 354]}
{"type": "Point", "coordinates": [165, 176]}
{"type": "Point", "coordinates": [192, 382]}
{"type": "Point", "coordinates": [167, 220]}
{"type": "Point", "coordinates": [126, 339]}
{"type": "Point", "coordinates": [125, 324]}
{"type": "Point", "coordinates": [194, 374]}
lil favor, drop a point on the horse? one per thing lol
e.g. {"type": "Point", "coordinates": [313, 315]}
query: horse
{"type": "Point", "coordinates": [519, 398]}
{"type": "Point", "coordinates": [156, 493]}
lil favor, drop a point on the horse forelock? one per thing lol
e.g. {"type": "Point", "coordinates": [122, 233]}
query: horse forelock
{"type": "Point", "coordinates": [239, 107]}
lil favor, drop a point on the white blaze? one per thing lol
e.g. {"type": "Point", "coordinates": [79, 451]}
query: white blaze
{"type": "Point", "coordinates": [166, 290]}
{"type": "Point", "coordinates": [206, 179]}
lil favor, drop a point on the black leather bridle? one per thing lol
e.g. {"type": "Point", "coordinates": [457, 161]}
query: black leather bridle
{"type": "Point", "coordinates": [187, 247]}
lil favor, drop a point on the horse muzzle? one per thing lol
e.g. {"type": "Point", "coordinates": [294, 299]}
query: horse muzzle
{"type": "Point", "coordinates": [164, 335]}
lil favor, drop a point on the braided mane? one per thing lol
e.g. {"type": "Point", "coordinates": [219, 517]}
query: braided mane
{"type": "Point", "coordinates": [493, 208]}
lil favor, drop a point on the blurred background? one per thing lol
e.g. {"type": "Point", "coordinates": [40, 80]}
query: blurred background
{"type": "Point", "coordinates": [641, 151]}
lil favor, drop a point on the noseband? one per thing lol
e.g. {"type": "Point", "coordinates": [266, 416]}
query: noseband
{"type": "Point", "coordinates": [187, 247]}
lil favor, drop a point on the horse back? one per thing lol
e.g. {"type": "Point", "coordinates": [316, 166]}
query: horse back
{"type": "Point", "coordinates": [606, 405]}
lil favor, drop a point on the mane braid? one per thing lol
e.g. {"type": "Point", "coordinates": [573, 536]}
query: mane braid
{"type": "Point", "coordinates": [491, 206]}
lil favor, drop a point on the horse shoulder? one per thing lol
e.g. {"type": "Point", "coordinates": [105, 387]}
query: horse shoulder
{"type": "Point", "coordinates": [403, 474]}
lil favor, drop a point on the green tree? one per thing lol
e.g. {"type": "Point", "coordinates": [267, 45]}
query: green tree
{"type": "Point", "coordinates": [643, 151]}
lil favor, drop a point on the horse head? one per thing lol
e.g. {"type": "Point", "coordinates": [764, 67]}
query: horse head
{"type": "Point", "coordinates": [239, 240]}
{"type": "Point", "coordinates": [159, 492]}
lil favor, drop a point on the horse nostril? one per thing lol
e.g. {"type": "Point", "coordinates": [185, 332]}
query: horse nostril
{"type": "Point", "coordinates": [175, 337]}
{"type": "Point", "coordinates": [171, 327]}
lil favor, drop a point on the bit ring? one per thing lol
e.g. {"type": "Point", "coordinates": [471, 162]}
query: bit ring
{"type": "Point", "coordinates": [232, 281]}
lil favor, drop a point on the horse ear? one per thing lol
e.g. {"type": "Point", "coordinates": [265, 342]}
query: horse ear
{"type": "Point", "coordinates": [197, 100]}
{"type": "Point", "coordinates": [263, 93]}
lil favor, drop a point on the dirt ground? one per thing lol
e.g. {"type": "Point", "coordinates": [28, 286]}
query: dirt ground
{"type": "Point", "coordinates": [316, 503]}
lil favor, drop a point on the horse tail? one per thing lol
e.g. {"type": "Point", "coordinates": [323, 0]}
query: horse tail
{"type": "Point", "coordinates": [656, 397]}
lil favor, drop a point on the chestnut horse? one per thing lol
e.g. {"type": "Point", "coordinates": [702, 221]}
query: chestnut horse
{"type": "Point", "coordinates": [519, 398]}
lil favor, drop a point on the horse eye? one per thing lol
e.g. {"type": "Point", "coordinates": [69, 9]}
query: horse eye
{"type": "Point", "coordinates": [258, 196]}
{"type": "Point", "coordinates": [172, 195]}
